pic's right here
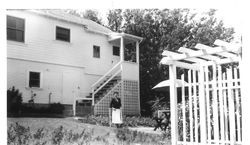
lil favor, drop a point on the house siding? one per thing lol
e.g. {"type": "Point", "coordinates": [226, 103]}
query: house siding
{"type": "Point", "coordinates": [41, 45]}
{"type": "Point", "coordinates": [65, 67]}
{"type": "Point", "coordinates": [54, 80]}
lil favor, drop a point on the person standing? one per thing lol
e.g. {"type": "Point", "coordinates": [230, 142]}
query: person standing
{"type": "Point", "coordinates": [115, 110]}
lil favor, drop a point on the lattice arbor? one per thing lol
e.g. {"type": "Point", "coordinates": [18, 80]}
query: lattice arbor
{"type": "Point", "coordinates": [210, 110]}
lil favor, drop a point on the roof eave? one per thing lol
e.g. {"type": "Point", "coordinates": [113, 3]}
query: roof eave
{"type": "Point", "coordinates": [129, 36]}
{"type": "Point", "coordinates": [54, 17]}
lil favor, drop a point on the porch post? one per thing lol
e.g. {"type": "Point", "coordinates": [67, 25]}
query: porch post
{"type": "Point", "coordinates": [122, 49]}
{"type": "Point", "coordinates": [138, 63]}
{"type": "Point", "coordinates": [137, 52]}
{"type": "Point", "coordinates": [122, 83]}
{"type": "Point", "coordinates": [74, 105]}
{"type": "Point", "coordinates": [173, 104]}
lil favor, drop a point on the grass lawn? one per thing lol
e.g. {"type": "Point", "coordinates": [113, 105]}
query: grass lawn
{"type": "Point", "coordinates": [53, 123]}
{"type": "Point", "coordinates": [99, 134]}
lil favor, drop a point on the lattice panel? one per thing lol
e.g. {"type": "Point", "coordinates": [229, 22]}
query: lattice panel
{"type": "Point", "coordinates": [130, 102]}
{"type": "Point", "coordinates": [101, 108]}
{"type": "Point", "coordinates": [131, 98]}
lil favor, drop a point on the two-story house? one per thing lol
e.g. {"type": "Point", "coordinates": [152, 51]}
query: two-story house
{"type": "Point", "coordinates": [71, 60]}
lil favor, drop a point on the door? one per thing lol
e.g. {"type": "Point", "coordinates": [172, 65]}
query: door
{"type": "Point", "coordinates": [54, 86]}
{"type": "Point", "coordinates": [71, 81]}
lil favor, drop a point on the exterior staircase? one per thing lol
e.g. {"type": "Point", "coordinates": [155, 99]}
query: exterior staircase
{"type": "Point", "coordinates": [99, 90]}
{"type": "Point", "coordinates": [105, 89]}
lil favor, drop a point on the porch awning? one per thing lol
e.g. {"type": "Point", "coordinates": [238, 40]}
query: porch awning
{"type": "Point", "coordinates": [130, 38]}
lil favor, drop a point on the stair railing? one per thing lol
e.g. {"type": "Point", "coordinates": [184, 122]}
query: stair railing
{"type": "Point", "coordinates": [110, 91]}
{"type": "Point", "coordinates": [102, 79]}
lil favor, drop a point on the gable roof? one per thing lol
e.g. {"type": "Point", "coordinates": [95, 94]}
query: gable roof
{"type": "Point", "coordinates": [64, 16]}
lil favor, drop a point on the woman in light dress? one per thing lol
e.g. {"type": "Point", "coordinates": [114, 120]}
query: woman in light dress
{"type": "Point", "coordinates": [115, 110]}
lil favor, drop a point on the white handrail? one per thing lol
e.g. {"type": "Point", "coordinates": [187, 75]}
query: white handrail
{"type": "Point", "coordinates": [107, 81]}
{"type": "Point", "coordinates": [110, 91]}
{"type": "Point", "coordinates": [94, 92]}
{"type": "Point", "coordinates": [105, 75]}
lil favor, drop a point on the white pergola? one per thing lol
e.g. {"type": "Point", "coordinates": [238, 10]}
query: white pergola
{"type": "Point", "coordinates": [205, 55]}
{"type": "Point", "coordinates": [225, 85]}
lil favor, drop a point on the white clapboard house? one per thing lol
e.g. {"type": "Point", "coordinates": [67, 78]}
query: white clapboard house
{"type": "Point", "coordinates": [77, 62]}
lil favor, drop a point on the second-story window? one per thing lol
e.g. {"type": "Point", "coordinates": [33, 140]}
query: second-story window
{"type": "Point", "coordinates": [62, 34]}
{"type": "Point", "coordinates": [15, 29]}
{"type": "Point", "coordinates": [96, 51]}
{"type": "Point", "coordinates": [116, 51]}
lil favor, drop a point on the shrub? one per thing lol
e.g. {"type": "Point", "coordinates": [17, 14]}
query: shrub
{"type": "Point", "coordinates": [98, 119]}
{"type": "Point", "coordinates": [18, 134]}
{"type": "Point", "coordinates": [187, 121]}
{"type": "Point", "coordinates": [57, 135]}
{"type": "Point", "coordinates": [21, 135]}
{"type": "Point", "coordinates": [39, 134]}
{"type": "Point", "coordinates": [14, 100]}
{"type": "Point", "coordinates": [135, 121]}
{"type": "Point", "coordinates": [129, 137]}
{"type": "Point", "coordinates": [103, 139]}
{"type": "Point", "coordinates": [56, 108]}
{"type": "Point", "coordinates": [128, 121]}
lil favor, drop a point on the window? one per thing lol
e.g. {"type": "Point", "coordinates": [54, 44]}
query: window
{"type": "Point", "coordinates": [62, 34]}
{"type": "Point", "coordinates": [15, 29]}
{"type": "Point", "coordinates": [34, 79]}
{"type": "Point", "coordinates": [116, 50]}
{"type": "Point", "coordinates": [130, 52]}
{"type": "Point", "coordinates": [96, 51]}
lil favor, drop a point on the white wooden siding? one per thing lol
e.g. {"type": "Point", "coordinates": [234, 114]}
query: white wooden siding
{"type": "Point", "coordinates": [130, 71]}
{"type": "Point", "coordinates": [41, 51]}
{"type": "Point", "coordinates": [53, 80]}
{"type": "Point", "coordinates": [40, 44]}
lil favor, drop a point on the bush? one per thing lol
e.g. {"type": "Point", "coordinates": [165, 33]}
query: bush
{"type": "Point", "coordinates": [187, 121]}
{"type": "Point", "coordinates": [15, 106]}
{"type": "Point", "coordinates": [55, 108]}
{"type": "Point", "coordinates": [14, 100]}
{"type": "Point", "coordinates": [97, 120]}
{"type": "Point", "coordinates": [58, 135]}
{"type": "Point", "coordinates": [128, 121]}
{"type": "Point", "coordinates": [130, 137]}
{"type": "Point", "coordinates": [18, 134]}
{"type": "Point", "coordinates": [21, 135]}
{"type": "Point", "coordinates": [135, 121]}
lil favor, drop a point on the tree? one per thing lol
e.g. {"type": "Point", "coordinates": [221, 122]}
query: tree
{"type": "Point", "coordinates": [87, 14]}
{"type": "Point", "coordinates": [74, 12]}
{"type": "Point", "coordinates": [92, 15]}
{"type": "Point", "coordinates": [115, 20]}
{"type": "Point", "coordinates": [170, 30]}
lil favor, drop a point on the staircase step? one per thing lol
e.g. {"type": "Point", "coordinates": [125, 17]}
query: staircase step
{"type": "Point", "coordinates": [113, 80]}
{"type": "Point", "coordinates": [90, 96]}
{"type": "Point", "coordinates": [106, 88]}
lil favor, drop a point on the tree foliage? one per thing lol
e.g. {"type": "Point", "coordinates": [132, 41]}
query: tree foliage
{"type": "Point", "coordinates": [14, 100]}
{"type": "Point", "coordinates": [165, 30]}
{"type": "Point", "coordinates": [90, 14]}
{"type": "Point", "coordinates": [115, 20]}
